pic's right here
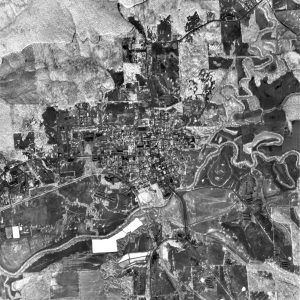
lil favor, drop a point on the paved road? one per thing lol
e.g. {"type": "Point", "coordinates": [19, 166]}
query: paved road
{"type": "Point", "coordinates": [61, 247]}
{"type": "Point", "coordinates": [6, 207]}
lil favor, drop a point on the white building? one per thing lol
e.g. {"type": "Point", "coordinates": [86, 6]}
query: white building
{"type": "Point", "coordinates": [132, 258]}
{"type": "Point", "coordinates": [15, 232]}
{"type": "Point", "coordinates": [110, 245]}
{"type": "Point", "coordinates": [104, 246]}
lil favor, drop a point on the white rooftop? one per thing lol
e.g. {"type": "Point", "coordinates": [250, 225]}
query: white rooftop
{"type": "Point", "coordinates": [104, 246]}
{"type": "Point", "coordinates": [110, 244]}
{"type": "Point", "coordinates": [134, 225]}
{"type": "Point", "coordinates": [15, 232]}
{"type": "Point", "coordinates": [134, 256]}
{"type": "Point", "coordinates": [131, 258]}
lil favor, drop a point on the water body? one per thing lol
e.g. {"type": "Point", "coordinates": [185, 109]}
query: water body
{"type": "Point", "coordinates": [50, 258]}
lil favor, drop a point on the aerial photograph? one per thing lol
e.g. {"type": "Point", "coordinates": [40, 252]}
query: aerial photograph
{"type": "Point", "coordinates": [149, 149]}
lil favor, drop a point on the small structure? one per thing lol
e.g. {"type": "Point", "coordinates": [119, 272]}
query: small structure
{"type": "Point", "coordinates": [15, 232]}
{"type": "Point", "coordinates": [12, 232]}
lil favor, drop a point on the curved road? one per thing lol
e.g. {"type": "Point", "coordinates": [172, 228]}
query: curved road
{"type": "Point", "coordinates": [62, 247]}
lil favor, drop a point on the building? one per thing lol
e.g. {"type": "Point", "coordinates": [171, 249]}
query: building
{"type": "Point", "coordinates": [12, 232]}
{"type": "Point", "coordinates": [110, 245]}
{"type": "Point", "coordinates": [134, 258]}
{"type": "Point", "coordinates": [104, 245]}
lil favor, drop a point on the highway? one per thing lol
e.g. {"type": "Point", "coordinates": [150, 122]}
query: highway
{"type": "Point", "coordinates": [6, 207]}
{"type": "Point", "coordinates": [35, 257]}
